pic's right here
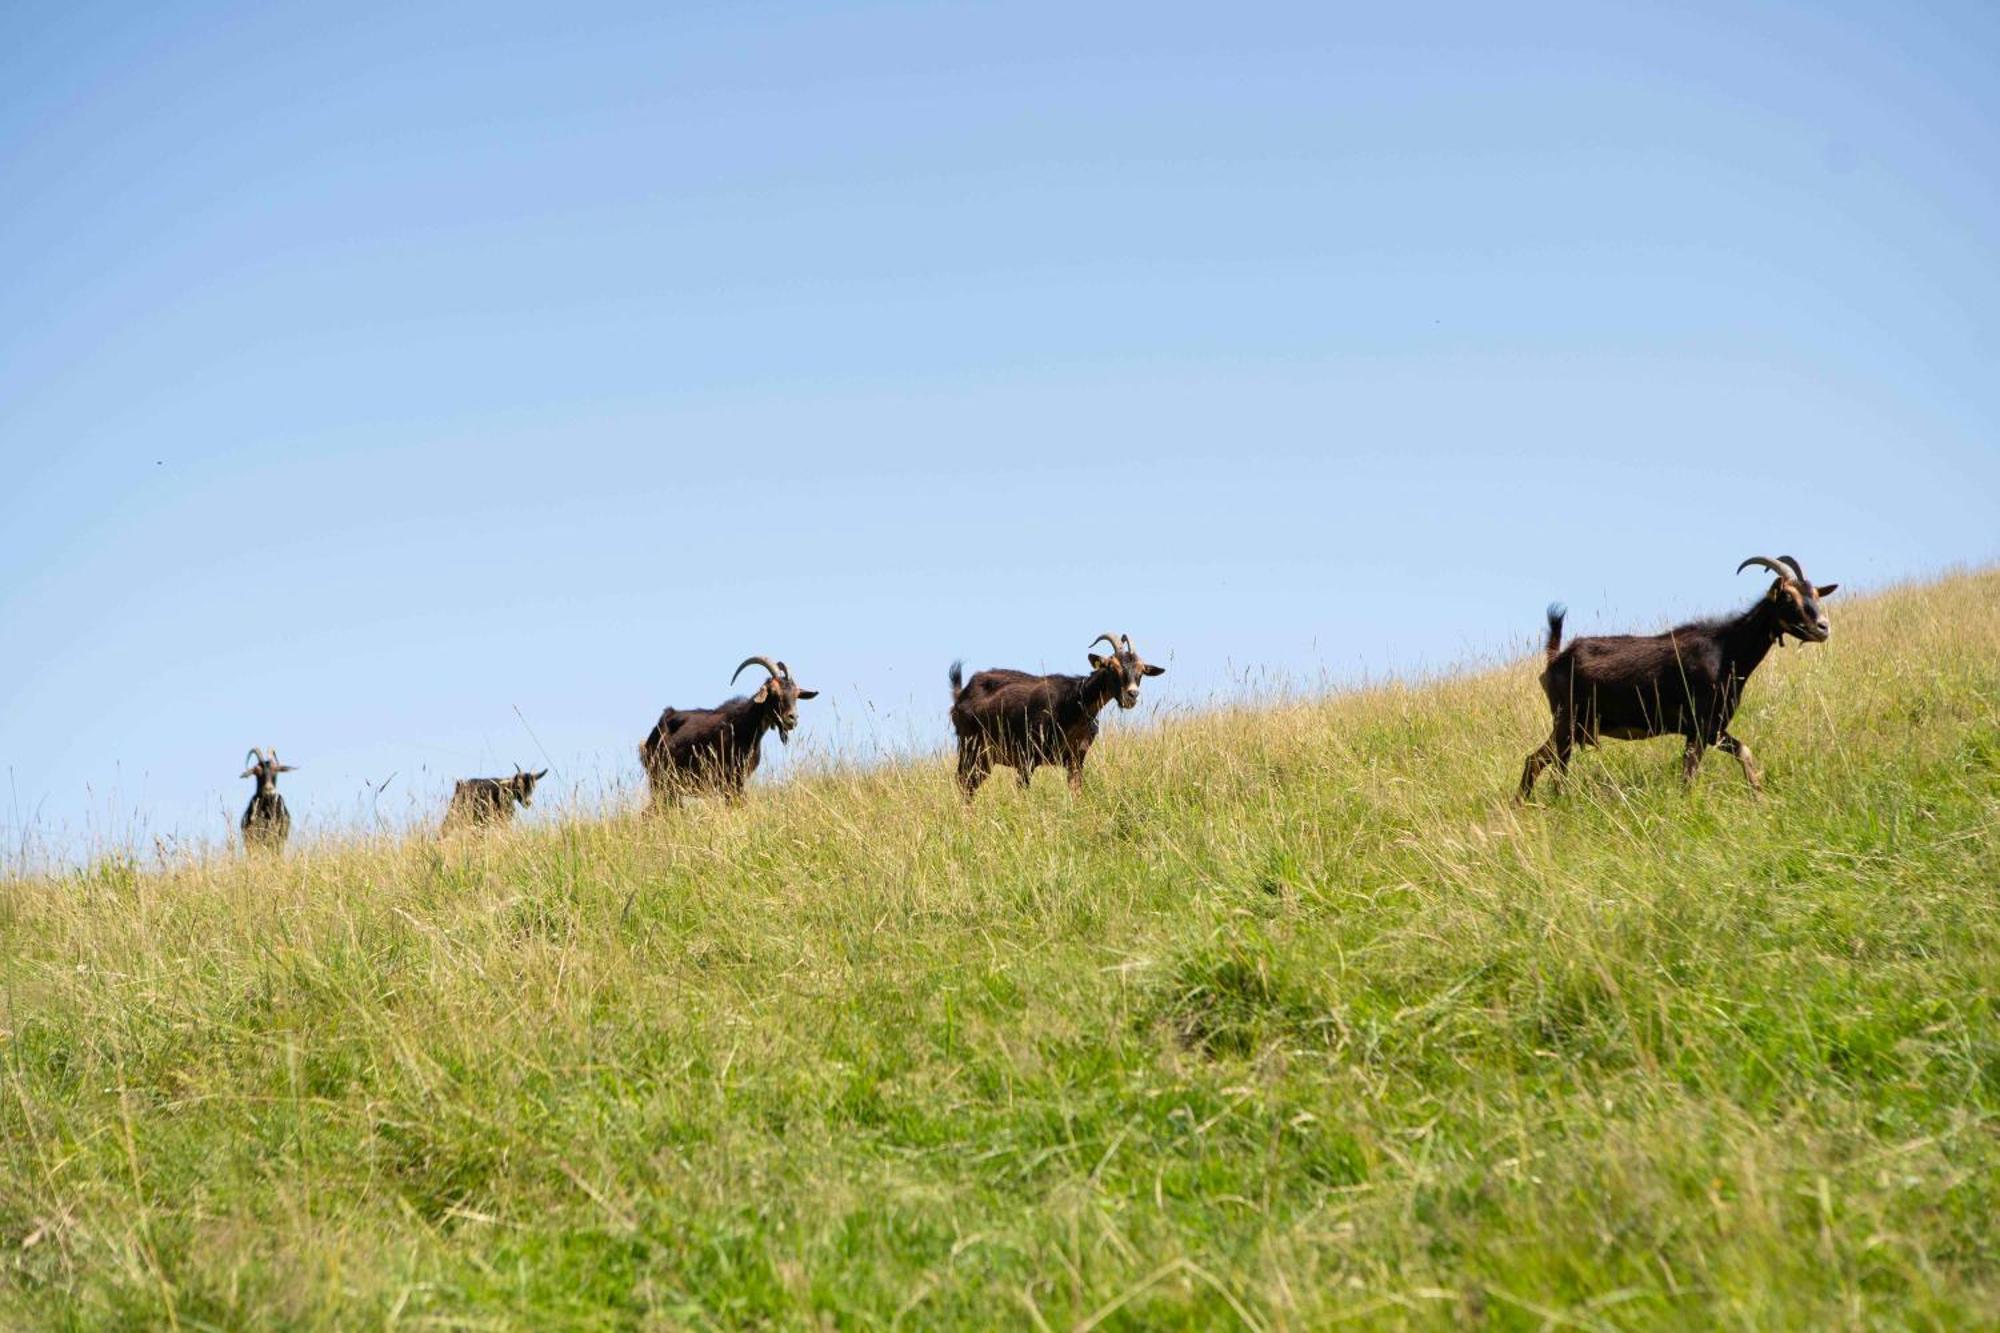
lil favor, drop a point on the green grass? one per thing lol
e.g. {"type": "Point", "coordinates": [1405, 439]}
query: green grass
{"type": "Point", "coordinates": [1291, 1020]}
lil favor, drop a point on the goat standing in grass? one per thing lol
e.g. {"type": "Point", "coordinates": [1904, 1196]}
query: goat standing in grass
{"type": "Point", "coordinates": [717, 749]}
{"type": "Point", "coordinates": [1685, 682]}
{"type": "Point", "coordinates": [478, 802]}
{"type": "Point", "coordinates": [1022, 721]}
{"type": "Point", "coordinates": [266, 823]}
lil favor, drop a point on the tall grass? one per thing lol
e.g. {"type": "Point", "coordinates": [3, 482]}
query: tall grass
{"type": "Point", "coordinates": [1291, 1019]}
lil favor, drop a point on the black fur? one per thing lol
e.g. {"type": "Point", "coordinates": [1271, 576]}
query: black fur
{"type": "Point", "coordinates": [478, 802]}
{"type": "Point", "coordinates": [266, 823]}
{"type": "Point", "coordinates": [1023, 721]}
{"type": "Point", "coordinates": [717, 749]}
{"type": "Point", "coordinates": [1685, 682]}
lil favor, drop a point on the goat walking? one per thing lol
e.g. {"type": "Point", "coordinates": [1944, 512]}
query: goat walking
{"type": "Point", "coordinates": [1684, 682]}
{"type": "Point", "coordinates": [479, 802]}
{"type": "Point", "coordinates": [1023, 721]}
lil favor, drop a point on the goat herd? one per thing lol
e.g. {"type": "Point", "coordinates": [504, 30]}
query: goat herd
{"type": "Point", "coordinates": [1683, 682]}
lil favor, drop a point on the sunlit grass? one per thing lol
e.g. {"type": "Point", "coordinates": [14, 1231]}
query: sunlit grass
{"type": "Point", "coordinates": [1292, 1017]}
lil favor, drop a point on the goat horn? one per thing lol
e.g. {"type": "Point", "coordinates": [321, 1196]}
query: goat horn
{"type": "Point", "coordinates": [253, 758]}
{"type": "Point", "coordinates": [784, 670]}
{"type": "Point", "coordinates": [1126, 639]}
{"type": "Point", "coordinates": [1795, 567]}
{"type": "Point", "coordinates": [1104, 638]}
{"type": "Point", "coordinates": [1768, 563]}
{"type": "Point", "coordinates": [764, 662]}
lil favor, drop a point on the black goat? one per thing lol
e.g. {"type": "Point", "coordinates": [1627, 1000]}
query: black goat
{"type": "Point", "coordinates": [477, 802]}
{"type": "Point", "coordinates": [1684, 682]}
{"type": "Point", "coordinates": [266, 823]}
{"type": "Point", "coordinates": [716, 749]}
{"type": "Point", "coordinates": [1021, 720]}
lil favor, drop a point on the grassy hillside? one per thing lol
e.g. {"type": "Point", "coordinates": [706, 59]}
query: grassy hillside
{"type": "Point", "coordinates": [1291, 1019]}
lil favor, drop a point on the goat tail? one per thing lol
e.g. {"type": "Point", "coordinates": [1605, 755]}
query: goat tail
{"type": "Point", "coordinates": [957, 675]}
{"type": "Point", "coordinates": [1556, 613]}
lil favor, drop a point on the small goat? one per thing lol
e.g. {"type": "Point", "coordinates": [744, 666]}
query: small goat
{"type": "Point", "coordinates": [266, 823]}
{"type": "Point", "coordinates": [1684, 682]}
{"type": "Point", "coordinates": [478, 802]}
{"type": "Point", "coordinates": [716, 749]}
{"type": "Point", "coordinates": [1021, 720]}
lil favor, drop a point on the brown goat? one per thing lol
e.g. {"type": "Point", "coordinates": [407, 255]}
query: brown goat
{"type": "Point", "coordinates": [1022, 721]}
{"type": "Point", "coordinates": [717, 749]}
{"type": "Point", "coordinates": [478, 802]}
{"type": "Point", "coordinates": [1685, 682]}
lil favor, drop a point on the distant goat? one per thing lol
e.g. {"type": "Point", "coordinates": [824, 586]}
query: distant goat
{"type": "Point", "coordinates": [477, 802]}
{"type": "Point", "coordinates": [1684, 682]}
{"type": "Point", "coordinates": [1021, 720]}
{"type": "Point", "coordinates": [716, 749]}
{"type": "Point", "coordinates": [266, 823]}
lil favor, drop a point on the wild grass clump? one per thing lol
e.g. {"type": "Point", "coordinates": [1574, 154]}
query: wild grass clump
{"type": "Point", "coordinates": [1292, 1018]}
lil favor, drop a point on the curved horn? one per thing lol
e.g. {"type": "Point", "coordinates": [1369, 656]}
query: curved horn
{"type": "Point", "coordinates": [784, 670]}
{"type": "Point", "coordinates": [1768, 563]}
{"type": "Point", "coordinates": [1800, 573]}
{"type": "Point", "coordinates": [254, 758]}
{"type": "Point", "coordinates": [1126, 639]}
{"type": "Point", "coordinates": [764, 662]}
{"type": "Point", "coordinates": [1103, 638]}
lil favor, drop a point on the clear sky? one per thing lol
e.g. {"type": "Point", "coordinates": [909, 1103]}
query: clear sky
{"type": "Point", "coordinates": [426, 389]}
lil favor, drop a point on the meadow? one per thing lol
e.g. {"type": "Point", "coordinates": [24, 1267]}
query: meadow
{"type": "Point", "coordinates": [1292, 1020]}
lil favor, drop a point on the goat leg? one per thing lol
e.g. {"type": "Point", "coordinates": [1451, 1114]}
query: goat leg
{"type": "Point", "coordinates": [1691, 759]}
{"type": "Point", "coordinates": [1728, 744]}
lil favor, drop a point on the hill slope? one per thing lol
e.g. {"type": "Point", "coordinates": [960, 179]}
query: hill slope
{"type": "Point", "coordinates": [1291, 1017]}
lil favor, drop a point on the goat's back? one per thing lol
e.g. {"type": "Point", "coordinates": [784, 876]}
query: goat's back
{"type": "Point", "coordinates": [687, 736]}
{"type": "Point", "coordinates": [994, 678]}
{"type": "Point", "coordinates": [671, 720]}
{"type": "Point", "coordinates": [1016, 708]}
{"type": "Point", "coordinates": [1609, 659]}
{"type": "Point", "coordinates": [1006, 690]}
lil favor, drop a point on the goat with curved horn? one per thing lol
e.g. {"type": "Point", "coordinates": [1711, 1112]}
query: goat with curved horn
{"type": "Point", "coordinates": [266, 823]}
{"type": "Point", "coordinates": [717, 749]}
{"type": "Point", "coordinates": [1685, 682]}
{"type": "Point", "coordinates": [1022, 721]}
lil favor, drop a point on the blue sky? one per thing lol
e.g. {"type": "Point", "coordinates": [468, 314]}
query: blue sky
{"type": "Point", "coordinates": [424, 390]}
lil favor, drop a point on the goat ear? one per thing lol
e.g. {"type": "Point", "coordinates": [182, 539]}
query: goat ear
{"type": "Point", "coordinates": [1097, 663]}
{"type": "Point", "coordinates": [288, 768]}
{"type": "Point", "coordinates": [1825, 589]}
{"type": "Point", "coordinates": [1150, 670]}
{"type": "Point", "coordinates": [808, 694]}
{"type": "Point", "coordinates": [763, 693]}
{"type": "Point", "coordinates": [247, 773]}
